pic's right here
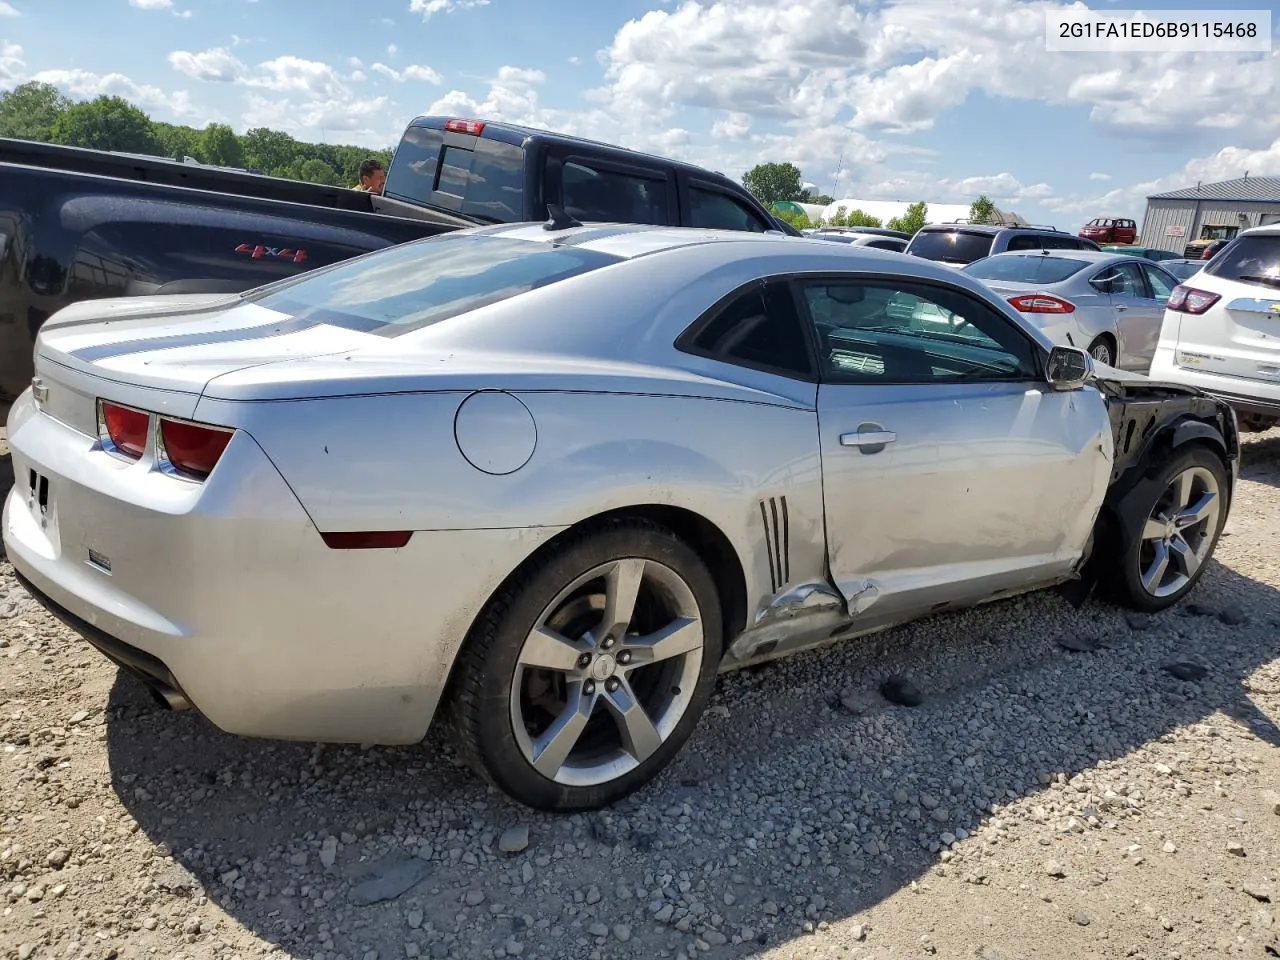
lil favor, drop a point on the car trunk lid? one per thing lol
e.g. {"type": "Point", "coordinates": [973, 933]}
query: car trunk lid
{"type": "Point", "coordinates": [159, 353]}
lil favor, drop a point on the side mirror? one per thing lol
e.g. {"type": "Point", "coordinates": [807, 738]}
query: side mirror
{"type": "Point", "coordinates": [1068, 368]}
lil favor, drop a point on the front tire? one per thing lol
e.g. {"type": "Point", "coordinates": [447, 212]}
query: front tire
{"type": "Point", "coordinates": [585, 675]}
{"type": "Point", "coordinates": [1172, 526]}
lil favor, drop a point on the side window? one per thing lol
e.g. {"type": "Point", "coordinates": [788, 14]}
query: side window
{"type": "Point", "coordinates": [757, 328]}
{"type": "Point", "coordinates": [874, 331]}
{"type": "Point", "coordinates": [605, 196]}
{"type": "Point", "coordinates": [1161, 288]}
{"type": "Point", "coordinates": [412, 175]}
{"type": "Point", "coordinates": [1122, 280]}
{"type": "Point", "coordinates": [713, 210]}
{"type": "Point", "coordinates": [1024, 242]}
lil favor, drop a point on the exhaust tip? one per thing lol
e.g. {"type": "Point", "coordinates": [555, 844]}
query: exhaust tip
{"type": "Point", "coordinates": [169, 699]}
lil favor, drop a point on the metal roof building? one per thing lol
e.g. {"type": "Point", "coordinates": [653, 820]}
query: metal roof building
{"type": "Point", "coordinates": [1185, 220]}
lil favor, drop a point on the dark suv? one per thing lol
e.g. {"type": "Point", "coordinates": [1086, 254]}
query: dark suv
{"type": "Point", "coordinates": [958, 244]}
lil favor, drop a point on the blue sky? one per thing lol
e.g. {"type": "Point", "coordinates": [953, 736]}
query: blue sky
{"type": "Point", "coordinates": [877, 99]}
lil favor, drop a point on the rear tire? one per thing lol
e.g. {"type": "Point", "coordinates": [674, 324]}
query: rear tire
{"type": "Point", "coordinates": [585, 675]}
{"type": "Point", "coordinates": [1173, 522]}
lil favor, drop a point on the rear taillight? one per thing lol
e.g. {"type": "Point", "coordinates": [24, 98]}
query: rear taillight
{"type": "Point", "coordinates": [473, 127]}
{"type": "Point", "coordinates": [1042, 303]}
{"type": "Point", "coordinates": [124, 428]}
{"type": "Point", "coordinates": [1186, 299]}
{"type": "Point", "coordinates": [191, 449]}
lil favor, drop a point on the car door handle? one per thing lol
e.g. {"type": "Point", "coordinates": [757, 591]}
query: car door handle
{"type": "Point", "coordinates": [875, 438]}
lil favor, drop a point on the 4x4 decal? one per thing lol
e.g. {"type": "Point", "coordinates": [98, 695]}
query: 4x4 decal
{"type": "Point", "coordinates": [257, 252]}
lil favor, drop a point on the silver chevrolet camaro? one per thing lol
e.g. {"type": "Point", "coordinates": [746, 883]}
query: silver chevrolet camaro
{"type": "Point", "coordinates": [553, 479]}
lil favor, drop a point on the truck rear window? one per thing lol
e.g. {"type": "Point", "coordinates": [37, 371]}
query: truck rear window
{"type": "Point", "coordinates": [951, 246]}
{"type": "Point", "coordinates": [1249, 260]}
{"type": "Point", "coordinates": [484, 181]}
{"type": "Point", "coordinates": [416, 284]}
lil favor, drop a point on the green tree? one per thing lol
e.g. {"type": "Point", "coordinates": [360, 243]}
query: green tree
{"type": "Point", "coordinates": [317, 171]}
{"type": "Point", "coordinates": [177, 142]}
{"type": "Point", "coordinates": [271, 151]}
{"type": "Point", "coordinates": [916, 217]}
{"type": "Point", "coordinates": [855, 219]}
{"type": "Point", "coordinates": [29, 111]}
{"type": "Point", "coordinates": [771, 182]}
{"type": "Point", "coordinates": [821, 198]}
{"type": "Point", "coordinates": [106, 123]}
{"type": "Point", "coordinates": [797, 220]}
{"type": "Point", "coordinates": [982, 210]}
{"type": "Point", "coordinates": [220, 145]}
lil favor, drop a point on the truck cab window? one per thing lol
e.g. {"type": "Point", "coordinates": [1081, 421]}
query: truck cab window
{"type": "Point", "coordinates": [605, 196]}
{"type": "Point", "coordinates": [713, 210]}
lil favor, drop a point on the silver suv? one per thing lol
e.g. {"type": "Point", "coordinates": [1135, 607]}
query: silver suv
{"type": "Point", "coordinates": [958, 244]}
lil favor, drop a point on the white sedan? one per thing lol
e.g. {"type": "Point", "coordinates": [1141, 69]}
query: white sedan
{"type": "Point", "coordinates": [554, 478]}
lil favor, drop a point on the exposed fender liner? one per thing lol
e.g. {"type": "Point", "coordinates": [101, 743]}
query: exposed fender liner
{"type": "Point", "coordinates": [1188, 430]}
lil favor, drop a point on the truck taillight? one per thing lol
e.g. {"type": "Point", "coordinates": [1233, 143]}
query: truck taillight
{"type": "Point", "coordinates": [473, 127]}
{"type": "Point", "coordinates": [1042, 303]}
{"type": "Point", "coordinates": [192, 449]}
{"type": "Point", "coordinates": [1186, 299]}
{"type": "Point", "coordinates": [124, 428]}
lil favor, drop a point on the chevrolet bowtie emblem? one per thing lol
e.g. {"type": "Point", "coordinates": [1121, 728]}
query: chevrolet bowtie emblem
{"type": "Point", "coordinates": [39, 390]}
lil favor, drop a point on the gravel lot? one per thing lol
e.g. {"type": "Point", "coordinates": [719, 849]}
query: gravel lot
{"type": "Point", "coordinates": [1040, 802]}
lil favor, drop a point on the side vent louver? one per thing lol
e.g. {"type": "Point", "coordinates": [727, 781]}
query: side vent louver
{"type": "Point", "coordinates": [777, 540]}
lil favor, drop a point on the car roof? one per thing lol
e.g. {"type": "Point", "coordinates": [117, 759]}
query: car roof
{"type": "Point", "coordinates": [1266, 230]}
{"type": "Point", "coordinates": [991, 228]}
{"type": "Point", "coordinates": [1092, 256]}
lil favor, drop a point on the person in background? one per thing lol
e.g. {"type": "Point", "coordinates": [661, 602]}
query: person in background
{"type": "Point", "coordinates": [372, 177]}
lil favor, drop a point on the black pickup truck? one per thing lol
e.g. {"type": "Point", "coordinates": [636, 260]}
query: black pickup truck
{"type": "Point", "coordinates": [79, 224]}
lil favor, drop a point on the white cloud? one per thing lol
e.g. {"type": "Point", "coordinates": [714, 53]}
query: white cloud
{"type": "Point", "coordinates": [355, 62]}
{"type": "Point", "coordinates": [12, 66]}
{"type": "Point", "coordinates": [86, 85]}
{"type": "Point", "coordinates": [428, 8]}
{"type": "Point", "coordinates": [896, 66]}
{"type": "Point", "coordinates": [8, 9]}
{"type": "Point", "coordinates": [575, 60]}
{"type": "Point", "coordinates": [411, 72]}
{"type": "Point", "coordinates": [733, 126]}
{"type": "Point", "coordinates": [392, 50]}
{"type": "Point", "coordinates": [358, 76]}
{"type": "Point", "coordinates": [152, 4]}
{"type": "Point", "coordinates": [1099, 176]}
{"type": "Point", "coordinates": [1226, 164]}
{"type": "Point", "coordinates": [218, 65]}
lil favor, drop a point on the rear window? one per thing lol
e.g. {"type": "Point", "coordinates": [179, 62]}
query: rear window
{"type": "Point", "coordinates": [951, 246]}
{"type": "Point", "coordinates": [416, 284]}
{"type": "Point", "coordinates": [484, 181]}
{"type": "Point", "coordinates": [1025, 269]}
{"type": "Point", "coordinates": [1249, 260]}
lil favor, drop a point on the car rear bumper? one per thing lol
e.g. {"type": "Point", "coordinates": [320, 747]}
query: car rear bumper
{"type": "Point", "coordinates": [1246, 397]}
{"type": "Point", "coordinates": [224, 594]}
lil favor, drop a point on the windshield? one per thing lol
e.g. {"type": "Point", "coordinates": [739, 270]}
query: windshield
{"type": "Point", "coordinates": [1025, 269]}
{"type": "Point", "coordinates": [952, 246]}
{"type": "Point", "coordinates": [1249, 260]}
{"type": "Point", "coordinates": [412, 285]}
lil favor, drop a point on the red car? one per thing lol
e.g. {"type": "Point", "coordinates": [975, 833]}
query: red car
{"type": "Point", "coordinates": [1110, 230]}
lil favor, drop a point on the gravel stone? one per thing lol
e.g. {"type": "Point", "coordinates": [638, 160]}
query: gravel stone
{"type": "Point", "coordinates": [514, 839]}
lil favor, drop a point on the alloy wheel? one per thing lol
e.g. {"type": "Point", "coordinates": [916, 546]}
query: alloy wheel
{"type": "Point", "coordinates": [607, 672]}
{"type": "Point", "coordinates": [1101, 352]}
{"type": "Point", "coordinates": [1179, 533]}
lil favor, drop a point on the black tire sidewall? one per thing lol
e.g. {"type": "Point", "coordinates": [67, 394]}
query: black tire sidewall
{"type": "Point", "coordinates": [495, 744]}
{"type": "Point", "coordinates": [1139, 505]}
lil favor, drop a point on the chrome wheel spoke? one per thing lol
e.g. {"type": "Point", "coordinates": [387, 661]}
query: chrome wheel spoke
{"type": "Point", "coordinates": [622, 586]}
{"type": "Point", "coordinates": [1155, 528]}
{"type": "Point", "coordinates": [1194, 513]}
{"type": "Point", "coordinates": [552, 749]}
{"type": "Point", "coordinates": [640, 737]}
{"type": "Point", "coordinates": [1185, 558]}
{"type": "Point", "coordinates": [1182, 486]}
{"type": "Point", "coordinates": [1154, 574]}
{"type": "Point", "coordinates": [682, 635]}
{"type": "Point", "coordinates": [548, 650]}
